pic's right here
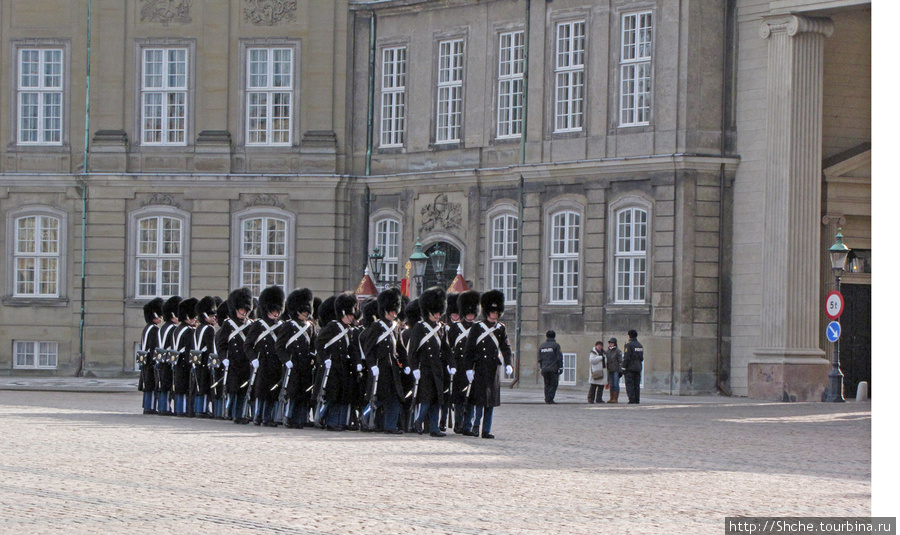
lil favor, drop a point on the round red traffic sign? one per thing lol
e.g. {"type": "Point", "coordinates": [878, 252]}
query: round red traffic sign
{"type": "Point", "coordinates": [834, 305]}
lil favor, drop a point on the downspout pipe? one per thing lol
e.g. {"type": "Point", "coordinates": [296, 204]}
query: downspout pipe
{"type": "Point", "coordinates": [370, 112]}
{"type": "Point", "coordinates": [83, 184]}
{"type": "Point", "coordinates": [525, 73]}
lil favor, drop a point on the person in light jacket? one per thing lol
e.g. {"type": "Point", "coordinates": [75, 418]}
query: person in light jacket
{"type": "Point", "coordinates": [597, 359]}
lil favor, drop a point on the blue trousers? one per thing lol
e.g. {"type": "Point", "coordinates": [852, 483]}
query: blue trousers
{"type": "Point", "coordinates": [162, 403]}
{"type": "Point", "coordinates": [391, 412]}
{"type": "Point", "coordinates": [614, 381]}
{"type": "Point", "coordinates": [433, 411]}
{"type": "Point", "coordinates": [336, 415]}
{"type": "Point", "coordinates": [149, 402]}
{"type": "Point", "coordinates": [488, 413]}
{"type": "Point", "coordinates": [199, 405]}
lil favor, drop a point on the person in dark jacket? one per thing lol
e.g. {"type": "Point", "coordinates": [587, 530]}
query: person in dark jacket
{"type": "Point", "coordinates": [296, 349]}
{"type": "Point", "coordinates": [260, 350]}
{"type": "Point", "coordinates": [551, 361]}
{"type": "Point", "coordinates": [380, 350]}
{"type": "Point", "coordinates": [334, 355]}
{"type": "Point", "coordinates": [230, 340]}
{"type": "Point", "coordinates": [153, 315]}
{"type": "Point", "coordinates": [204, 343]}
{"type": "Point", "coordinates": [634, 365]}
{"type": "Point", "coordinates": [614, 365]}
{"type": "Point", "coordinates": [428, 354]}
{"type": "Point", "coordinates": [457, 337]}
{"type": "Point", "coordinates": [183, 342]}
{"type": "Point", "coordinates": [217, 367]}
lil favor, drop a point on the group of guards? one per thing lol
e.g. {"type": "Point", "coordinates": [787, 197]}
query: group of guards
{"type": "Point", "coordinates": [394, 366]}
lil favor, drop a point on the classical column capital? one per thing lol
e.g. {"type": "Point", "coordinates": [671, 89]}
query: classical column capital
{"type": "Point", "coordinates": [794, 25]}
{"type": "Point", "coordinates": [833, 219]}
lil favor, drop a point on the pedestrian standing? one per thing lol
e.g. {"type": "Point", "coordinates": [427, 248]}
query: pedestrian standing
{"type": "Point", "coordinates": [551, 361]}
{"type": "Point", "coordinates": [614, 366]}
{"type": "Point", "coordinates": [634, 365]}
{"type": "Point", "coordinates": [598, 379]}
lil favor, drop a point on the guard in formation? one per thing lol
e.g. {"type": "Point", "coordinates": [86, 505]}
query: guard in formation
{"type": "Point", "coordinates": [390, 367]}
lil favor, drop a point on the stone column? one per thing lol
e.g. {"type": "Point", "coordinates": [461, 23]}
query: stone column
{"type": "Point", "coordinates": [789, 363]}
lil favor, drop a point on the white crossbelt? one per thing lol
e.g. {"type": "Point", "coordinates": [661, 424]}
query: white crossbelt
{"type": "Point", "coordinates": [488, 332]}
{"type": "Point", "coordinates": [342, 334]}
{"type": "Point", "coordinates": [162, 335]}
{"type": "Point", "coordinates": [464, 333]}
{"type": "Point", "coordinates": [146, 337]}
{"type": "Point", "coordinates": [389, 331]}
{"type": "Point", "coordinates": [302, 333]}
{"type": "Point", "coordinates": [237, 330]}
{"type": "Point", "coordinates": [269, 331]}
{"type": "Point", "coordinates": [178, 339]}
{"type": "Point", "coordinates": [431, 333]}
{"type": "Point", "coordinates": [198, 337]}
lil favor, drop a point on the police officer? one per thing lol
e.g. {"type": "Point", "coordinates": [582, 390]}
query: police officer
{"type": "Point", "coordinates": [551, 362]}
{"type": "Point", "coordinates": [634, 363]}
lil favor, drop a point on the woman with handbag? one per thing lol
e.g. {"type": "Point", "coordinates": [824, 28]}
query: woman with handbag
{"type": "Point", "coordinates": [598, 373]}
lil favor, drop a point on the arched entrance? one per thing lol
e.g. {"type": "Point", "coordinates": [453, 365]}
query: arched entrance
{"type": "Point", "coordinates": [451, 263]}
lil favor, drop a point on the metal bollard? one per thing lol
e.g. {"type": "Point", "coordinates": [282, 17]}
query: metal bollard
{"type": "Point", "coordinates": [862, 391]}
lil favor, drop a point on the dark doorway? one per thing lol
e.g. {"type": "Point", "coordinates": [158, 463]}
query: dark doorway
{"type": "Point", "coordinates": [451, 264]}
{"type": "Point", "coordinates": [856, 341]}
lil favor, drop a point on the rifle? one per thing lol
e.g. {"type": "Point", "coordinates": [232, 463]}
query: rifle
{"type": "Point", "coordinates": [368, 413]}
{"type": "Point", "coordinates": [413, 408]}
{"type": "Point", "coordinates": [246, 412]}
{"type": "Point", "coordinates": [450, 402]}
{"type": "Point", "coordinates": [321, 404]}
{"type": "Point", "coordinates": [278, 415]}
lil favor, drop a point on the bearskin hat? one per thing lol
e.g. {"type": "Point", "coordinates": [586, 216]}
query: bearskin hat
{"type": "Point", "coordinates": [370, 310]}
{"type": "Point", "coordinates": [271, 300]}
{"type": "Point", "coordinates": [205, 307]}
{"type": "Point", "coordinates": [326, 311]}
{"type": "Point", "coordinates": [404, 302]}
{"type": "Point", "coordinates": [153, 309]}
{"type": "Point", "coordinates": [491, 301]}
{"type": "Point", "coordinates": [298, 301]}
{"type": "Point", "coordinates": [468, 303]}
{"type": "Point", "coordinates": [170, 308]}
{"type": "Point", "coordinates": [389, 300]}
{"type": "Point", "coordinates": [317, 302]}
{"type": "Point", "coordinates": [412, 313]}
{"type": "Point", "coordinates": [254, 309]}
{"type": "Point", "coordinates": [452, 307]}
{"type": "Point", "coordinates": [186, 309]}
{"type": "Point", "coordinates": [345, 304]}
{"type": "Point", "coordinates": [432, 301]}
{"type": "Point", "coordinates": [222, 312]}
{"type": "Point", "coordinates": [238, 299]}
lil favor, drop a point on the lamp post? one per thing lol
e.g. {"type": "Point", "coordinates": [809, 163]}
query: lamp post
{"type": "Point", "coordinates": [838, 253]}
{"type": "Point", "coordinates": [438, 258]}
{"type": "Point", "coordinates": [376, 262]}
{"type": "Point", "coordinates": [418, 260]}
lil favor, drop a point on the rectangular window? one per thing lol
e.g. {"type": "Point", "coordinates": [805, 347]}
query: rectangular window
{"type": "Point", "coordinates": [637, 47]}
{"type": "Point", "coordinates": [164, 96]}
{"type": "Point", "coordinates": [270, 93]}
{"type": "Point", "coordinates": [511, 85]}
{"type": "Point", "coordinates": [387, 240]}
{"type": "Point", "coordinates": [36, 355]}
{"type": "Point", "coordinates": [569, 76]}
{"type": "Point", "coordinates": [263, 253]}
{"type": "Point", "coordinates": [504, 255]}
{"type": "Point", "coordinates": [393, 97]}
{"type": "Point", "coordinates": [631, 256]}
{"type": "Point", "coordinates": [449, 101]}
{"type": "Point", "coordinates": [159, 257]}
{"type": "Point", "coordinates": [40, 96]}
{"type": "Point", "coordinates": [568, 376]}
{"type": "Point", "coordinates": [37, 256]}
{"type": "Point", "coordinates": [564, 261]}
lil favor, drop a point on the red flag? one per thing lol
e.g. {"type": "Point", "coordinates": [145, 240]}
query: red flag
{"type": "Point", "coordinates": [404, 287]}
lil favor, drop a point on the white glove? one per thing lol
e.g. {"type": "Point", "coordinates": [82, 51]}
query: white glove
{"type": "Point", "coordinates": [226, 362]}
{"type": "Point", "coordinates": [328, 364]}
{"type": "Point", "coordinates": [359, 367]}
{"type": "Point", "coordinates": [406, 370]}
{"type": "Point", "coordinates": [417, 374]}
{"type": "Point", "coordinates": [509, 369]}
{"type": "Point", "coordinates": [255, 363]}
{"type": "Point", "coordinates": [289, 365]}
{"type": "Point", "coordinates": [452, 371]}
{"type": "Point", "coordinates": [374, 371]}
{"type": "Point", "coordinates": [470, 375]}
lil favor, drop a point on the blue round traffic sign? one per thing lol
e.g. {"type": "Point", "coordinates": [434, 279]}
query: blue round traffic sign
{"type": "Point", "coordinates": [833, 331]}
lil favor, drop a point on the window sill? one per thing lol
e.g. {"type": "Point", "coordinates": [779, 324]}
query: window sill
{"type": "Point", "coordinates": [562, 308]}
{"type": "Point", "coordinates": [11, 301]}
{"type": "Point", "coordinates": [627, 308]}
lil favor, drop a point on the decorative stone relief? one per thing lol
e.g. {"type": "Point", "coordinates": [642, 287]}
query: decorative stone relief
{"type": "Point", "coordinates": [440, 215]}
{"type": "Point", "coordinates": [160, 199]}
{"type": "Point", "coordinates": [270, 12]}
{"type": "Point", "coordinates": [264, 200]}
{"type": "Point", "coordinates": [166, 11]}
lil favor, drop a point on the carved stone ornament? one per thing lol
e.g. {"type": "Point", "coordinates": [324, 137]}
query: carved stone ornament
{"type": "Point", "coordinates": [160, 199]}
{"type": "Point", "coordinates": [441, 215]}
{"type": "Point", "coordinates": [264, 200]}
{"type": "Point", "coordinates": [270, 12]}
{"type": "Point", "coordinates": [166, 11]}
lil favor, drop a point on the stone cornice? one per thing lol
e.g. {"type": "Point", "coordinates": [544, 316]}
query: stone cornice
{"type": "Point", "coordinates": [794, 25]}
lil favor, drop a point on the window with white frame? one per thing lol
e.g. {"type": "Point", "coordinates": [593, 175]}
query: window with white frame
{"type": "Point", "coordinates": [569, 76]}
{"type": "Point", "coordinates": [40, 96]}
{"type": "Point", "coordinates": [511, 85]}
{"type": "Point", "coordinates": [504, 255]}
{"type": "Point", "coordinates": [450, 88]}
{"type": "Point", "coordinates": [270, 96]}
{"type": "Point", "coordinates": [569, 377]}
{"type": "Point", "coordinates": [159, 256]}
{"type": "Point", "coordinates": [565, 233]}
{"type": "Point", "coordinates": [37, 256]}
{"type": "Point", "coordinates": [387, 240]}
{"type": "Point", "coordinates": [635, 79]}
{"type": "Point", "coordinates": [40, 355]}
{"type": "Point", "coordinates": [263, 260]}
{"type": "Point", "coordinates": [393, 97]}
{"type": "Point", "coordinates": [164, 86]}
{"type": "Point", "coordinates": [631, 255]}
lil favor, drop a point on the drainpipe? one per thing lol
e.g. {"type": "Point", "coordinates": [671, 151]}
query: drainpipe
{"type": "Point", "coordinates": [519, 284]}
{"type": "Point", "coordinates": [83, 183]}
{"type": "Point", "coordinates": [525, 88]}
{"type": "Point", "coordinates": [370, 112]}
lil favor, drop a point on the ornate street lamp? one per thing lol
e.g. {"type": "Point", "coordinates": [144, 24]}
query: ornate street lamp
{"type": "Point", "coordinates": [418, 260]}
{"type": "Point", "coordinates": [376, 263]}
{"type": "Point", "coordinates": [438, 258]}
{"type": "Point", "coordinates": [838, 253]}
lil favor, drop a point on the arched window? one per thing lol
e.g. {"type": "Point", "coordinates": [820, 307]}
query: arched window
{"type": "Point", "coordinates": [37, 255]}
{"type": "Point", "coordinates": [631, 255]}
{"type": "Point", "coordinates": [387, 240]}
{"type": "Point", "coordinates": [565, 264]}
{"type": "Point", "coordinates": [504, 251]}
{"type": "Point", "coordinates": [159, 255]}
{"type": "Point", "coordinates": [263, 252]}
